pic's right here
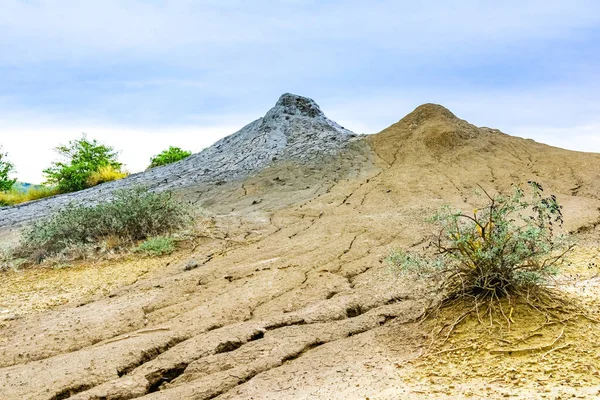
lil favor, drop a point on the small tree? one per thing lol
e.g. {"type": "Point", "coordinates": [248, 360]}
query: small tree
{"type": "Point", "coordinates": [81, 158]}
{"type": "Point", "coordinates": [507, 249]}
{"type": "Point", "coordinates": [6, 167]}
{"type": "Point", "coordinates": [173, 154]}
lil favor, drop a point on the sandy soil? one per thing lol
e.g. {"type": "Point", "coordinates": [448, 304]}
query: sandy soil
{"type": "Point", "coordinates": [295, 301]}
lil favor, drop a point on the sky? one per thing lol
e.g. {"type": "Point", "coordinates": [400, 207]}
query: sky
{"type": "Point", "coordinates": [144, 75]}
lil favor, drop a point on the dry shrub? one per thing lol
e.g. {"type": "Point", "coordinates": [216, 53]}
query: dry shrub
{"type": "Point", "coordinates": [112, 242]}
{"type": "Point", "coordinates": [507, 250]}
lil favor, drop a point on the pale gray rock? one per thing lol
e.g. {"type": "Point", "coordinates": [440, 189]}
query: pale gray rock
{"type": "Point", "coordinates": [295, 130]}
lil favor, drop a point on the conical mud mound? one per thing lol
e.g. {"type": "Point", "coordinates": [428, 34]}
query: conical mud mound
{"type": "Point", "coordinates": [294, 130]}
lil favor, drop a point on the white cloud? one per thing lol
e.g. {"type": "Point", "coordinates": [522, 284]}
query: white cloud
{"type": "Point", "coordinates": [580, 138]}
{"type": "Point", "coordinates": [202, 69]}
{"type": "Point", "coordinates": [186, 30]}
{"type": "Point", "coordinates": [30, 145]}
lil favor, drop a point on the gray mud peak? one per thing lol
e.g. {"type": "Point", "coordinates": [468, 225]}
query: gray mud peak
{"type": "Point", "coordinates": [294, 130]}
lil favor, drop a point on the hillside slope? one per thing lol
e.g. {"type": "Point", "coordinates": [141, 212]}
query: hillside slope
{"type": "Point", "coordinates": [296, 301]}
{"type": "Point", "coordinates": [294, 130]}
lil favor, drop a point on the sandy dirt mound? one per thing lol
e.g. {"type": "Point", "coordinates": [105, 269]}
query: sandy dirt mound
{"type": "Point", "coordinates": [295, 301]}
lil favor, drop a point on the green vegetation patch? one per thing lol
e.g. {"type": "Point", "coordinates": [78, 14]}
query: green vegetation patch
{"type": "Point", "coordinates": [6, 168]}
{"type": "Point", "coordinates": [173, 154]}
{"type": "Point", "coordinates": [132, 215]}
{"type": "Point", "coordinates": [157, 246]}
{"type": "Point", "coordinates": [508, 249]}
{"type": "Point", "coordinates": [81, 159]}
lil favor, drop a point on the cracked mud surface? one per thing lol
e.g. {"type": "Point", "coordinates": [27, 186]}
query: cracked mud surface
{"type": "Point", "coordinates": [296, 302]}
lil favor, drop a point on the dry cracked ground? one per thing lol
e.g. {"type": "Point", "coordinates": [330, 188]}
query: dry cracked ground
{"type": "Point", "coordinates": [292, 299]}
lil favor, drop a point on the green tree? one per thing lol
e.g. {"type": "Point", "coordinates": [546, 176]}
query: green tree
{"type": "Point", "coordinates": [81, 158]}
{"type": "Point", "coordinates": [6, 167]}
{"type": "Point", "coordinates": [169, 156]}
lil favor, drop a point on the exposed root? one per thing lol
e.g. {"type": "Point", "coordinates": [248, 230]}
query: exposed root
{"type": "Point", "coordinates": [531, 349]}
{"type": "Point", "coordinates": [564, 346]}
{"type": "Point", "coordinates": [496, 312]}
{"type": "Point", "coordinates": [471, 347]}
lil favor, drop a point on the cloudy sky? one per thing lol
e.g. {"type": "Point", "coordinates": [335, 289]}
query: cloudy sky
{"type": "Point", "coordinates": [143, 75]}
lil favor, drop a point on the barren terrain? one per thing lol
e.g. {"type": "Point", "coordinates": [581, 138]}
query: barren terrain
{"type": "Point", "coordinates": [292, 298]}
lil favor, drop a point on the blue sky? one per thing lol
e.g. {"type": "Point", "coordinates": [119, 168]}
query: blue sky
{"type": "Point", "coordinates": [143, 75]}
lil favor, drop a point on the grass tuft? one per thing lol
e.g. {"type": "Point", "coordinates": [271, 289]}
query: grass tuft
{"type": "Point", "coordinates": [105, 174]}
{"type": "Point", "coordinates": [157, 246]}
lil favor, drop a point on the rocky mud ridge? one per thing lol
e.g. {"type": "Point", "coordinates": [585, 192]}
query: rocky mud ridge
{"type": "Point", "coordinates": [294, 130]}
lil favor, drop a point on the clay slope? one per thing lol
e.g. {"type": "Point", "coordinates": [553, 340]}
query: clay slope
{"type": "Point", "coordinates": [294, 130]}
{"type": "Point", "coordinates": [294, 300]}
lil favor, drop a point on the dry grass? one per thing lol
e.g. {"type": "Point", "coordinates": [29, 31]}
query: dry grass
{"type": "Point", "coordinates": [13, 197]}
{"type": "Point", "coordinates": [106, 174]}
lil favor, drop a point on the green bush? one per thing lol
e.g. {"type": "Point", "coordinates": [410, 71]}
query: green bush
{"type": "Point", "coordinates": [81, 158]}
{"type": "Point", "coordinates": [132, 215]}
{"type": "Point", "coordinates": [169, 156]}
{"type": "Point", "coordinates": [157, 246]}
{"type": "Point", "coordinates": [509, 248]}
{"type": "Point", "coordinates": [6, 167]}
